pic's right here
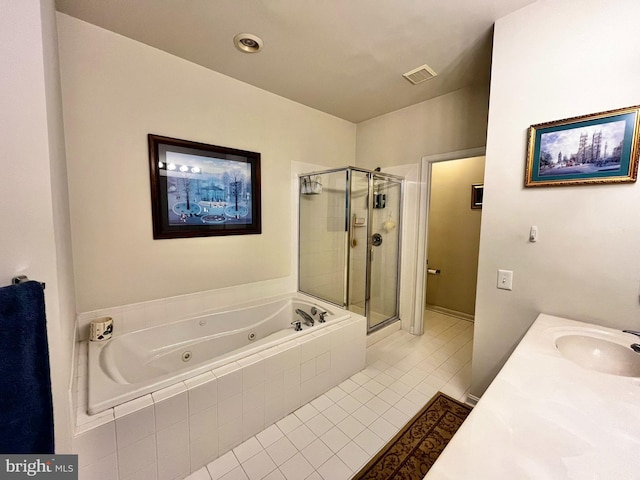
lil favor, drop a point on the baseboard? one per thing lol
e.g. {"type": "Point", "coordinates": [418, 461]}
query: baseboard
{"type": "Point", "coordinates": [472, 400]}
{"type": "Point", "coordinates": [451, 313]}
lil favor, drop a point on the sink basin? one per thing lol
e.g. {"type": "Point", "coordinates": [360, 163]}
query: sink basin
{"type": "Point", "coordinates": [599, 354]}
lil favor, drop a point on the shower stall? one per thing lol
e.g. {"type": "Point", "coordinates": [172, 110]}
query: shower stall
{"type": "Point", "coordinates": [349, 241]}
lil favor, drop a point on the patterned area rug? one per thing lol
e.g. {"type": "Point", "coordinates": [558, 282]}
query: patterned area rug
{"type": "Point", "coordinates": [412, 452]}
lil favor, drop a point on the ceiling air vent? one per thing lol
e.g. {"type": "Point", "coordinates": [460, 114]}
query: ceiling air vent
{"type": "Point", "coordinates": [420, 74]}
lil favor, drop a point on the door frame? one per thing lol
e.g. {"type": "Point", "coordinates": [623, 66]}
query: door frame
{"type": "Point", "coordinates": [426, 164]}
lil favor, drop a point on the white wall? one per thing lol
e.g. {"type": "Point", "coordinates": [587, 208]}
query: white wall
{"type": "Point", "coordinates": [397, 142]}
{"type": "Point", "coordinates": [115, 92]}
{"type": "Point", "coordinates": [451, 122]}
{"type": "Point", "coordinates": [35, 238]}
{"type": "Point", "coordinates": [554, 60]}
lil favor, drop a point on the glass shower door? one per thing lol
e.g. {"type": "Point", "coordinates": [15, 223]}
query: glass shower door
{"type": "Point", "coordinates": [323, 236]}
{"type": "Point", "coordinates": [358, 241]}
{"type": "Point", "coordinates": [384, 250]}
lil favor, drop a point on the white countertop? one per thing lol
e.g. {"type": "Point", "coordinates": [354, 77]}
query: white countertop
{"type": "Point", "coordinates": [544, 417]}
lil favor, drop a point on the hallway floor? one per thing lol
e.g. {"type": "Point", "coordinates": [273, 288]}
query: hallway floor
{"type": "Point", "coordinates": [333, 436]}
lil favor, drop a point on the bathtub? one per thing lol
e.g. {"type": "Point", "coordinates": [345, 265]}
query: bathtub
{"type": "Point", "coordinates": [135, 364]}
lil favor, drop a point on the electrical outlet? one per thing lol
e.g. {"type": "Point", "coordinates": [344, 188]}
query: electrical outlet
{"type": "Point", "coordinates": [505, 279]}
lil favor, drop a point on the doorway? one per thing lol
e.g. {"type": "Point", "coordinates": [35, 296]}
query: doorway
{"type": "Point", "coordinates": [453, 235]}
{"type": "Point", "coordinates": [423, 277]}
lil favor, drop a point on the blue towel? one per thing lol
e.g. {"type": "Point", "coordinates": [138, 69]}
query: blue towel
{"type": "Point", "coordinates": [26, 407]}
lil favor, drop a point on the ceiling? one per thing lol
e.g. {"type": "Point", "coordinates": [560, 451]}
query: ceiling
{"type": "Point", "coordinates": [343, 57]}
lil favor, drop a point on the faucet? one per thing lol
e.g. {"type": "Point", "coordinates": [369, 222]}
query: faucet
{"type": "Point", "coordinates": [314, 311]}
{"type": "Point", "coordinates": [634, 346]}
{"type": "Point", "coordinates": [308, 319]}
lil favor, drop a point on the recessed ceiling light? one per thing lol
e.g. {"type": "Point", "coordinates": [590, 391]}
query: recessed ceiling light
{"type": "Point", "coordinates": [248, 43]}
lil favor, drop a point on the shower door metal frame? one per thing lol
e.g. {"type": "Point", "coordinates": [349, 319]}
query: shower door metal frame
{"type": "Point", "coordinates": [348, 228]}
{"type": "Point", "coordinates": [372, 174]}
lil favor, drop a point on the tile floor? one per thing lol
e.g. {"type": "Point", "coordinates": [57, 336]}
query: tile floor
{"type": "Point", "coordinates": [333, 436]}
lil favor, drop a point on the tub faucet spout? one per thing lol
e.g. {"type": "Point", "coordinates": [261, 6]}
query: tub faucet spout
{"type": "Point", "coordinates": [632, 332]}
{"type": "Point", "coordinates": [308, 319]}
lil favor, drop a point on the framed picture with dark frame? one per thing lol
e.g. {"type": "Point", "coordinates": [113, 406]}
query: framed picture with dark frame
{"type": "Point", "coordinates": [200, 190]}
{"type": "Point", "coordinates": [477, 191]}
{"type": "Point", "coordinates": [592, 149]}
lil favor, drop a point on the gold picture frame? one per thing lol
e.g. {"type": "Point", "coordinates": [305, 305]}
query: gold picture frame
{"type": "Point", "coordinates": [599, 148]}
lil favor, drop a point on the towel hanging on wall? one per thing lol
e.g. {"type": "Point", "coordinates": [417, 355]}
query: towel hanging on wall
{"type": "Point", "coordinates": [26, 407]}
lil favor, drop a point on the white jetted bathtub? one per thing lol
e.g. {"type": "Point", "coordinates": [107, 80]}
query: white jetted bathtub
{"type": "Point", "coordinates": [135, 364]}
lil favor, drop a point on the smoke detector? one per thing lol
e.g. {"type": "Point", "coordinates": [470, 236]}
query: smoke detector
{"type": "Point", "coordinates": [420, 74]}
{"type": "Point", "coordinates": [247, 42]}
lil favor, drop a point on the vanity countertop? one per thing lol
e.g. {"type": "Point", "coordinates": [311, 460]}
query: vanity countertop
{"type": "Point", "coordinates": [544, 417]}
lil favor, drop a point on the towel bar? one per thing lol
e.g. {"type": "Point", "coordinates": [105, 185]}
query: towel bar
{"type": "Point", "coordinates": [21, 279]}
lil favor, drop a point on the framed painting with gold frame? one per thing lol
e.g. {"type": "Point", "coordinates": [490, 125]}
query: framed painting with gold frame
{"type": "Point", "coordinates": [592, 149]}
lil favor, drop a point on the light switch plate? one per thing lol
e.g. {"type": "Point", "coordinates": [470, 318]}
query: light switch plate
{"type": "Point", "coordinates": [505, 279]}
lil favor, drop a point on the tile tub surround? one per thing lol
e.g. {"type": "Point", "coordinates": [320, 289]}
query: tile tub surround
{"type": "Point", "coordinates": [332, 439]}
{"type": "Point", "coordinates": [179, 429]}
{"type": "Point", "coordinates": [545, 417]}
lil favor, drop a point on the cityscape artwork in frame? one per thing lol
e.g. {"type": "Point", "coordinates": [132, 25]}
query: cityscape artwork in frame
{"type": "Point", "coordinates": [592, 149]}
{"type": "Point", "coordinates": [200, 190]}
